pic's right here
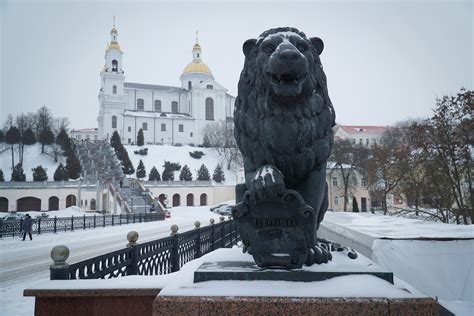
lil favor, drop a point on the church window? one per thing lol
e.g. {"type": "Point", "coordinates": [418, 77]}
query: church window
{"type": "Point", "coordinates": [114, 121]}
{"type": "Point", "coordinates": [114, 89]}
{"type": "Point", "coordinates": [181, 128]}
{"type": "Point", "coordinates": [114, 65]}
{"type": "Point", "coordinates": [190, 85]}
{"type": "Point", "coordinates": [334, 182]}
{"type": "Point", "coordinates": [209, 109]}
{"type": "Point", "coordinates": [191, 134]}
{"type": "Point", "coordinates": [157, 105]}
{"type": "Point", "coordinates": [145, 126]}
{"type": "Point", "coordinates": [163, 127]}
{"type": "Point", "coordinates": [140, 104]}
{"type": "Point", "coordinates": [209, 86]}
{"type": "Point", "coordinates": [129, 128]}
{"type": "Point", "coordinates": [336, 200]}
{"type": "Point", "coordinates": [174, 107]}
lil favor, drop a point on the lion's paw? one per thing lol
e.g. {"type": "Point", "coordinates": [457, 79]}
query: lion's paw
{"type": "Point", "coordinates": [267, 183]}
{"type": "Point", "coordinates": [320, 253]}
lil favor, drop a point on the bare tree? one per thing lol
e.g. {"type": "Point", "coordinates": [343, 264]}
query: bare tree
{"type": "Point", "coordinates": [388, 164]}
{"type": "Point", "coordinates": [54, 151]}
{"type": "Point", "coordinates": [220, 136]}
{"type": "Point", "coordinates": [347, 158]}
{"type": "Point", "coordinates": [44, 120]}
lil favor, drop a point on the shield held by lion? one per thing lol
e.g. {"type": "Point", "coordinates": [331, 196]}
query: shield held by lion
{"type": "Point", "coordinates": [283, 127]}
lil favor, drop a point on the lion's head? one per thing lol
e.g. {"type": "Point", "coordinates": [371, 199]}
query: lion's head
{"type": "Point", "coordinates": [283, 107]}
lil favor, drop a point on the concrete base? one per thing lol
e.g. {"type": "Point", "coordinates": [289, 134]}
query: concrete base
{"type": "Point", "coordinates": [201, 305]}
{"type": "Point", "coordinates": [249, 271]}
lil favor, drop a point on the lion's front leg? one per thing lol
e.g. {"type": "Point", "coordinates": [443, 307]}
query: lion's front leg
{"type": "Point", "coordinates": [266, 183]}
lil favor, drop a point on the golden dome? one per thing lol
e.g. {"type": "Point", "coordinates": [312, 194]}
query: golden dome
{"type": "Point", "coordinates": [114, 45]}
{"type": "Point", "coordinates": [114, 30]}
{"type": "Point", "coordinates": [197, 66]}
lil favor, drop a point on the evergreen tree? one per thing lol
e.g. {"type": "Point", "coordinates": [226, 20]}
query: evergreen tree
{"type": "Point", "coordinates": [18, 174]}
{"type": "Point", "coordinates": [62, 139]}
{"type": "Point", "coordinates": [140, 138]}
{"type": "Point", "coordinates": [13, 137]}
{"type": "Point", "coordinates": [46, 137]}
{"type": "Point", "coordinates": [2, 178]}
{"type": "Point", "coordinates": [39, 174]}
{"type": "Point", "coordinates": [28, 137]}
{"type": "Point", "coordinates": [115, 140]}
{"type": "Point", "coordinates": [167, 174]}
{"type": "Point", "coordinates": [203, 174]}
{"type": "Point", "coordinates": [154, 175]}
{"type": "Point", "coordinates": [355, 206]}
{"type": "Point", "coordinates": [218, 175]}
{"type": "Point", "coordinates": [73, 167]}
{"type": "Point", "coordinates": [141, 171]}
{"type": "Point", "coordinates": [127, 166]}
{"type": "Point", "coordinates": [186, 174]}
{"type": "Point", "coordinates": [2, 136]}
{"type": "Point", "coordinates": [61, 173]}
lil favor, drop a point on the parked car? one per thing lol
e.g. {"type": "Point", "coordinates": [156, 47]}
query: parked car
{"type": "Point", "coordinates": [222, 209]}
{"type": "Point", "coordinates": [11, 217]}
{"type": "Point", "coordinates": [167, 214]}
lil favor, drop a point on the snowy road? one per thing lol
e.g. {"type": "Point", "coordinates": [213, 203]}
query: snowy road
{"type": "Point", "coordinates": [24, 263]}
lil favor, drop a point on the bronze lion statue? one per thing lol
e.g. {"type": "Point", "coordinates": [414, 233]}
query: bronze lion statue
{"type": "Point", "coordinates": [283, 122]}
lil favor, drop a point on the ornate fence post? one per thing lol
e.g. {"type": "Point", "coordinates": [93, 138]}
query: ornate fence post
{"type": "Point", "coordinates": [140, 217]}
{"type": "Point", "coordinates": [59, 270]}
{"type": "Point", "coordinates": [134, 218]}
{"type": "Point", "coordinates": [213, 235]}
{"type": "Point", "coordinates": [94, 220]}
{"type": "Point", "coordinates": [39, 226]}
{"type": "Point", "coordinates": [103, 220]}
{"type": "Point", "coordinates": [222, 219]}
{"type": "Point", "coordinates": [174, 250]}
{"type": "Point", "coordinates": [132, 268]}
{"type": "Point", "coordinates": [72, 222]}
{"type": "Point", "coordinates": [84, 222]}
{"type": "Point", "coordinates": [120, 219]}
{"type": "Point", "coordinates": [112, 219]}
{"type": "Point", "coordinates": [197, 246]}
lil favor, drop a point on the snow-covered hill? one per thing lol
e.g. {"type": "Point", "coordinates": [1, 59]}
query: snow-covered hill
{"type": "Point", "coordinates": [32, 158]}
{"type": "Point", "coordinates": [157, 154]}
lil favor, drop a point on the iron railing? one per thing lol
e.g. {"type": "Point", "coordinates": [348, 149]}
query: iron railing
{"type": "Point", "coordinates": [156, 257]}
{"type": "Point", "coordinates": [63, 224]}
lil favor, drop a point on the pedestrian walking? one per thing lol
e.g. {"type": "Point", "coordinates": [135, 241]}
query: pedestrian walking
{"type": "Point", "coordinates": [27, 226]}
{"type": "Point", "coordinates": [121, 183]}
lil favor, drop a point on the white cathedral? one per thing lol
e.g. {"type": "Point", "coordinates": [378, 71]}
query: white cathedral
{"type": "Point", "coordinates": [167, 115]}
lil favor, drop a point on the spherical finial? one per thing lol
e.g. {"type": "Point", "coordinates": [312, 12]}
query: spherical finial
{"type": "Point", "coordinates": [132, 238]}
{"type": "Point", "coordinates": [222, 218]}
{"type": "Point", "coordinates": [174, 229]}
{"type": "Point", "coordinates": [59, 254]}
{"type": "Point", "coordinates": [211, 221]}
{"type": "Point", "coordinates": [197, 224]}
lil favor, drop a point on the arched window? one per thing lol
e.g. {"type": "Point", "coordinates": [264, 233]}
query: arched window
{"type": "Point", "coordinates": [157, 105]}
{"type": "Point", "coordinates": [70, 200]}
{"type": "Point", "coordinates": [140, 104]}
{"type": "Point", "coordinates": [114, 65]}
{"type": "Point", "coordinates": [176, 200]}
{"type": "Point", "coordinates": [53, 203]}
{"type": "Point", "coordinates": [93, 204]}
{"type": "Point", "coordinates": [209, 109]}
{"type": "Point", "coordinates": [3, 204]}
{"type": "Point", "coordinates": [190, 200]}
{"type": "Point", "coordinates": [114, 89]}
{"type": "Point", "coordinates": [114, 121]}
{"type": "Point", "coordinates": [28, 203]}
{"type": "Point", "coordinates": [203, 199]}
{"type": "Point", "coordinates": [174, 107]}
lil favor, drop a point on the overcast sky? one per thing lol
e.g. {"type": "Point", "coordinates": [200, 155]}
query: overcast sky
{"type": "Point", "coordinates": [385, 61]}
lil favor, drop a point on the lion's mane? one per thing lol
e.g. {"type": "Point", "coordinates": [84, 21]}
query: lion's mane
{"type": "Point", "coordinates": [296, 138]}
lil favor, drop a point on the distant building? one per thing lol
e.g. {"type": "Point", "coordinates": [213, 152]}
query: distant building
{"type": "Point", "coordinates": [360, 134]}
{"type": "Point", "coordinates": [167, 115]}
{"type": "Point", "coordinates": [85, 134]}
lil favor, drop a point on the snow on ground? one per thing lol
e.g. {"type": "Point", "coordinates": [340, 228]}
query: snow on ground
{"type": "Point", "coordinates": [67, 212]}
{"type": "Point", "coordinates": [157, 154]}
{"type": "Point", "coordinates": [32, 158]}
{"type": "Point", "coordinates": [23, 264]}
